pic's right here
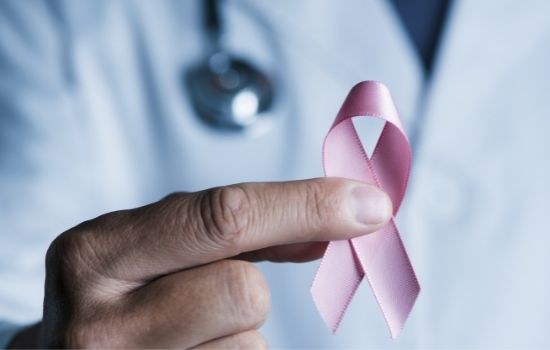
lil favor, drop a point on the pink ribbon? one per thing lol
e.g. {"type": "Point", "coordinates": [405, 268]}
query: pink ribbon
{"type": "Point", "coordinates": [380, 256]}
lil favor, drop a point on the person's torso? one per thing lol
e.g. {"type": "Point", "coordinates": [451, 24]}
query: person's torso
{"type": "Point", "coordinates": [474, 217]}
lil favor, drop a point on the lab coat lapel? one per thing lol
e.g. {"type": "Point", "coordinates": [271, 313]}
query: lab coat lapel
{"type": "Point", "coordinates": [481, 50]}
{"type": "Point", "coordinates": [480, 44]}
{"type": "Point", "coordinates": [464, 179]}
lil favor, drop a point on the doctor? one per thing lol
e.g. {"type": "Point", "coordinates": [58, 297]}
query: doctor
{"type": "Point", "coordinates": [95, 118]}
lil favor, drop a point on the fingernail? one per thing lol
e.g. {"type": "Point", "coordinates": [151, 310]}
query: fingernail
{"type": "Point", "coordinates": [370, 205]}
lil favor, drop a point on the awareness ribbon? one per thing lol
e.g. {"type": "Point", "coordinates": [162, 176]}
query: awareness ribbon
{"type": "Point", "coordinates": [380, 256]}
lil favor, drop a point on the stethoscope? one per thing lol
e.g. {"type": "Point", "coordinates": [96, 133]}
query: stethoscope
{"type": "Point", "coordinates": [226, 92]}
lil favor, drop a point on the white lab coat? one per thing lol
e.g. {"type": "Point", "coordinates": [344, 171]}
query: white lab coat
{"type": "Point", "coordinates": [93, 118]}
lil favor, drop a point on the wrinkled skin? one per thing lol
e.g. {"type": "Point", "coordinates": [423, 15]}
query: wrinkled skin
{"type": "Point", "coordinates": [178, 273]}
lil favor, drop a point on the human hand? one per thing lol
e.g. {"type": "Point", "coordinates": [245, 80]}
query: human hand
{"type": "Point", "coordinates": [177, 273]}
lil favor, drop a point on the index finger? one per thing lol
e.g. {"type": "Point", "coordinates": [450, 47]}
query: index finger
{"type": "Point", "coordinates": [186, 230]}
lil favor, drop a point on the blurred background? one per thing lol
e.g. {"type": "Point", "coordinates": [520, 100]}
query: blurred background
{"type": "Point", "coordinates": [112, 104]}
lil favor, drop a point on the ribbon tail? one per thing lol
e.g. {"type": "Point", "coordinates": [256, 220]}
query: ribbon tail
{"type": "Point", "coordinates": [336, 281]}
{"type": "Point", "coordinates": [389, 273]}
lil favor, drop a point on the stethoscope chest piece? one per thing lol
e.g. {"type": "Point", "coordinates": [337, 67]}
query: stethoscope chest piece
{"type": "Point", "coordinates": [228, 93]}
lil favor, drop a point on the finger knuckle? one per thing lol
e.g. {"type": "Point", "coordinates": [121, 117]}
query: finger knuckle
{"type": "Point", "coordinates": [73, 260]}
{"type": "Point", "coordinates": [224, 213]}
{"type": "Point", "coordinates": [67, 254]}
{"type": "Point", "coordinates": [320, 203]}
{"type": "Point", "coordinates": [248, 290]}
{"type": "Point", "coordinates": [68, 284]}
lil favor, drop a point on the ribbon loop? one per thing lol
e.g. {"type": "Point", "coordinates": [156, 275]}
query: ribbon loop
{"type": "Point", "coordinates": [380, 256]}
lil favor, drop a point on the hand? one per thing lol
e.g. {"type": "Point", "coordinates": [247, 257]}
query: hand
{"type": "Point", "coordinates": [177, 273]}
